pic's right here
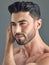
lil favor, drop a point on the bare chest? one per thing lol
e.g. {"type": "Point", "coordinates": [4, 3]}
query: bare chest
{"type": "Point", "coordinates": [23, 58]}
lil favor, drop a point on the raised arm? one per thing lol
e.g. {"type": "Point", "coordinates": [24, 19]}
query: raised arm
{"type": "Point", "coordinates": [8, 57]}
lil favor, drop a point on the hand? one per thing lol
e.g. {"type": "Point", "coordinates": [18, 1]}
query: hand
{"type": "Point", "coordinates": [9, 38]}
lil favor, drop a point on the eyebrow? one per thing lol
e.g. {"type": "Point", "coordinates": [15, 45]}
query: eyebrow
{"type": "Point", "coordinates": [22, 21]}
{"type": "Point", "coordinates": [12, 22]}
{"type": "Point", "coordinates": [19, 21]}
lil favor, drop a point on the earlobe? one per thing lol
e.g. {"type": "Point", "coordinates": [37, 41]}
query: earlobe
{"type": "Point", "coordinates": [39, 23]}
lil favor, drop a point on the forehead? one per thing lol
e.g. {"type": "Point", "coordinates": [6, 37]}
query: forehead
{"type": "Point", "coordinates": [20, 16]}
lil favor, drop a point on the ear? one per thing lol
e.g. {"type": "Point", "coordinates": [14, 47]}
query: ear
{"type": "Point", "coordinates": [38, 23]}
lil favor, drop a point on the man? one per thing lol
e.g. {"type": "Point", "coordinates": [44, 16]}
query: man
{"type": "Point", "coordinates": [24, 29]}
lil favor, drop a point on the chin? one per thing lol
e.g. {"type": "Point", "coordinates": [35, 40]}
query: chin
{"type": "Point", "coordinates": [21, 42]}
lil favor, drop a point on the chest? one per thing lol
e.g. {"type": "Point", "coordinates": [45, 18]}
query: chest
{"type": "Point", "coordinates": [22, 57]}
{"type": "Point", "coordinates": [34, 58]}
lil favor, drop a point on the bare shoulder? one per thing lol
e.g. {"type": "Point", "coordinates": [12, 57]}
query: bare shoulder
{"type": "Point", "coordinates": [43, 59]}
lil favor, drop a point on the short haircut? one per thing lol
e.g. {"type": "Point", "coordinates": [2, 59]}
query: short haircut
{"type": "Point", "coordinates": [23, 6]}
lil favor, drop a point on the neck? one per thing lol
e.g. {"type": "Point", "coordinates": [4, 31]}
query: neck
{"type": "Point", "coordinates": [35, 45]}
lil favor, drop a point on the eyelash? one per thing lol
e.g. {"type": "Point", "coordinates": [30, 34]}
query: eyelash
{"type": "Point", "coordinates": [22, 23]}
{"type": "Point", "coordinates": [13, 24]}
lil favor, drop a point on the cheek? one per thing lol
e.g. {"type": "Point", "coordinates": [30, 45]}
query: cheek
{"type": "Point", "coordinates": [26, 30]}
{"type": "Point", "coordinates": [30, 29]}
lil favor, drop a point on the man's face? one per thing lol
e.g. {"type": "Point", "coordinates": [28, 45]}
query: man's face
{"type": "Point", "coordinates": [23, 27]}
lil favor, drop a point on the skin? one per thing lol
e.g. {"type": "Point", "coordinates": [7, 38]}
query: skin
{"type": "Point", "coordinates": [32, 50]}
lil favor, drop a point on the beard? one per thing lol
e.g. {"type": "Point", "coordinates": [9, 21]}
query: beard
{"type": "Point", "coordinates": [25, 38]}
{"type": "Point", "coordinates": [21, 40]}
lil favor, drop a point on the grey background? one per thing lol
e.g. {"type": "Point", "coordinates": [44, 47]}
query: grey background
{"type": "Point", "coordinates": [5, 18]}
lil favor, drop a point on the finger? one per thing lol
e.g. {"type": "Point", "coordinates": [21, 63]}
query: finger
{"type": "Point", "coordinates": [8, 29]}
{"type": "Point", "coordinates": [8, 32]}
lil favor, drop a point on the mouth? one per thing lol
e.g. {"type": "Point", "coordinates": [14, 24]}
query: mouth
{"type": "Point", "coordinates": [19, 36]}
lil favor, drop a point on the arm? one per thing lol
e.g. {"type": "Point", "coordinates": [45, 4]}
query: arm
{"type": "Point", "coordinates": [8, 57]}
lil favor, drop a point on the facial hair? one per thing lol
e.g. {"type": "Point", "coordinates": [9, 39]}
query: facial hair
{"type": "Point", "coordinates": [27, 38]}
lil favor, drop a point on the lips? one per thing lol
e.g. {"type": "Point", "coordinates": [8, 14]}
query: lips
{"type": "Point", "coordinates": [19, 36]}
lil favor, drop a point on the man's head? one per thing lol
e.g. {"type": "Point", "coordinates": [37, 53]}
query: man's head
{"type": "Point", "coordinates": [25, 20]}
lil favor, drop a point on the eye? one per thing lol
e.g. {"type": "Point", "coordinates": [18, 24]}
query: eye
{"type": "Point", "coordinates": [13, 24]}
{"type": "Point", "coordinates": [23, 23]}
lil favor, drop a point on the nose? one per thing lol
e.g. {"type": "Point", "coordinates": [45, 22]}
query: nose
{"type": "Point", "coordinates": [18, 29]}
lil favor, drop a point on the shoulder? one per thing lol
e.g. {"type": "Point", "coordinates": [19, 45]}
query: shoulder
{"type": "Point", "coordinates": [45, 55]}
{"type": "Point", "coordinates": [43, 59]}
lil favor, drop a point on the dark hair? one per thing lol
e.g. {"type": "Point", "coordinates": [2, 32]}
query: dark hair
{"type": "Point", "coordinates": [33, 8]}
